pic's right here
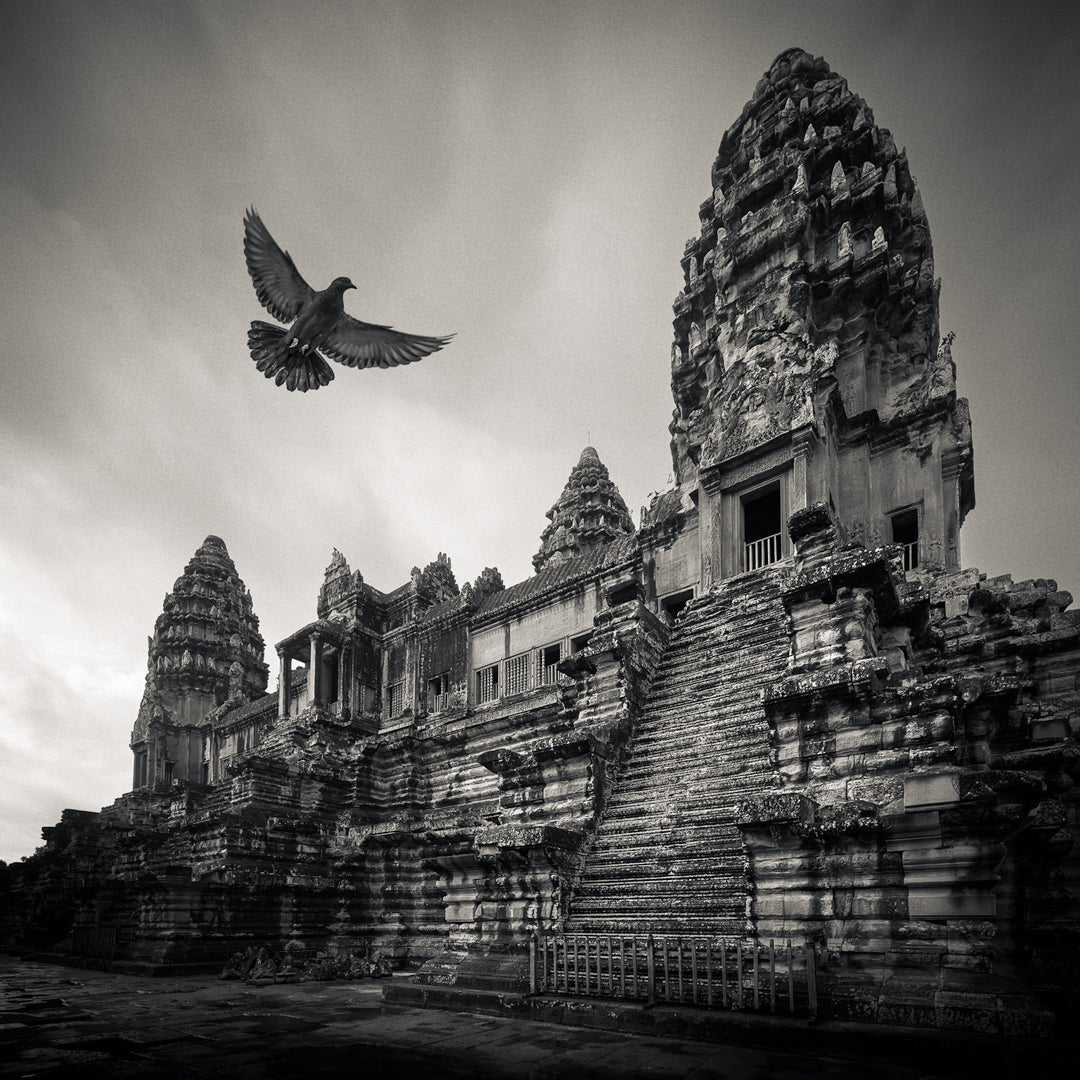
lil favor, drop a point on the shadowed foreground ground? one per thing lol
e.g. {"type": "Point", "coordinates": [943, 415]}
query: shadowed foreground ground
{"type": "Point", "coordinates": [60, 1022]}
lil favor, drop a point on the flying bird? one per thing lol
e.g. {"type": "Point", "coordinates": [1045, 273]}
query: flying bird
{"type": "Point", "coordinates": [293, 356]}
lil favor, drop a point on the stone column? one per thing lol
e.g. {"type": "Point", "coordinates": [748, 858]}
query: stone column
{"type": "Point", "coordinates": [284, 679]}
{"type": "Point", "coordinates": [314, 671]}
{"type": "Point", "coordinates": [799, 493]}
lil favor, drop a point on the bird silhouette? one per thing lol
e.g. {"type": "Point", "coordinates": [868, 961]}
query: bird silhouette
{"type": "Point", "coordinates": [293, 356]}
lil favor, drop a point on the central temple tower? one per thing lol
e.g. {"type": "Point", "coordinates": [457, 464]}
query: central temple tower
{"type": "Point", "coordinates": [806, 365]}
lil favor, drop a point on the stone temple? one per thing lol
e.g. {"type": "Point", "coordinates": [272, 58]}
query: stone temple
{"type": "Point", "coordinates": [778, 707]}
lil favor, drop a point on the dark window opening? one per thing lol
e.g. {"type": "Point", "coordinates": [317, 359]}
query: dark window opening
{"type": "Point", "coordinates": [672, 606]}
{"type": "Point", "coordinates": [762, 516]}
{"type": "Point", "coordinates": [624, 594]}
{"type": "Point", "coordinates": [580, 643]}
{"type": "Point", "coordinates": [140, 769]}
{"type": "Point", "coordinates": [328, 682]}
{"type": "Point", "coordinates": [905, 532]}
{"type": "Point", "coordinates": [547, 668]}
{"type": "Point", "coordinates": [762, 529]}
{"type": "Point", "coordinates": [439, 692]}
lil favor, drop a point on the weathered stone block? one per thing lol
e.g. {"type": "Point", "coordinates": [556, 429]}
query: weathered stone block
{"type": "Point", "coordinates": [882, 903]}
{"type": "Point", "coordinates": [774, 809]}
{"type": "Point", "coordinates": [950, 903]}
{"type": "Point", "coordinates": [1051, 728]}
{"type": "Point", "coordinates": [858, 740]}
{"type": "Point", "coordinates": [931, 790]}
{"type": "Point", "coordinates": [915, 829]}
{"type": "Point", "coordinates": [882, 791]}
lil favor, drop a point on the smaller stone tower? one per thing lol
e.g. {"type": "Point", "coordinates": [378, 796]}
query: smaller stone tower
{"type": "Point", "coordinates": [589, 514]}
{"type": "Point", "coordinates": [206, 650]}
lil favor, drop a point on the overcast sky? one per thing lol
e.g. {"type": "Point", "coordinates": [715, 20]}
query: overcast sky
{"type": "Point", "coordinates": [524, 175]}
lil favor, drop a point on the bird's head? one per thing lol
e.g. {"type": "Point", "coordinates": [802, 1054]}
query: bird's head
{"type": "Point", "coordinates": [341, 284]}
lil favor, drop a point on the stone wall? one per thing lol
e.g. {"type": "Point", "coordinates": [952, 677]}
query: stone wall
{"type": "Point", "coordinates": [923, 826]}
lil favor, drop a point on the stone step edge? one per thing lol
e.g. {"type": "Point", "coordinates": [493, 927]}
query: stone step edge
{"type": "Point", "coordinates": [936, 1050]}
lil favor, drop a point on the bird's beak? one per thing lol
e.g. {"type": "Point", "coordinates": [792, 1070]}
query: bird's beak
{"type": "Point", "coordinates": [350, 286]}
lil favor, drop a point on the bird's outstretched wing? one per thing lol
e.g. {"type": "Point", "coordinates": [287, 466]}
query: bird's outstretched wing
{"type": "Point", "coordinates": [278, 284]}
{"type": "Point", "coordinates": [360, 344]}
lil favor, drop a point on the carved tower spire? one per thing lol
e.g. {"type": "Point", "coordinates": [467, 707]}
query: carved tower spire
{"type": "Point", "coordinates": [807, 329]}
{"type": "Point", "coordinates": [589, 514]}
{"type": "Point", "coordinates": [206, 648]}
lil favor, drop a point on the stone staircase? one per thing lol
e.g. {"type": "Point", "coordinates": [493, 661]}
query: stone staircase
{"type": "Point", "coordinates": [667, 857]}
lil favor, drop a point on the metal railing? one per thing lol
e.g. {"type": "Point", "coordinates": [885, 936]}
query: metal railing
{"type": "Point", "coordinates": [747, 974]}
{"type": "Point", "coordinates": [911, 555]}
{"type": "Point", "coordinates": [97, 942]}
{"type": "Point", "coordinates": [763, 552]}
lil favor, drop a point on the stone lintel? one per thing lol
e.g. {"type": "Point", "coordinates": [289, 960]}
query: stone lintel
{"type": "Point", "coordinates": [916, 829]}
{"type": "Point", "coordinates": [500, 837]}
{"type": "Point", "coordinates": [624, 589]}
{"type": "Point", "coordinates": [572, 744]}
{"type": "Point", "coordinates": [930, 791]}
{"type": "Point", "coordinates": [857, 679]}
{"type": "Point", "coordinates": [1052, 728]}
{"type": "Point", "coordinates": [961, 864]}
{"type": "Point", "coordinates": [993, 687]}
{"type": "Point", "coordinates": [296, 644]}
{"type": "Point", "coordinates": [788, 807]}
{"type": "Point", "coordinates": [852, 567]}
{"type": "Point", "coordinates": [502, 761]}
{"type": "Point", "coordinates": [581, 663]}
{"type": "Point", "coordinates": [950, 903]}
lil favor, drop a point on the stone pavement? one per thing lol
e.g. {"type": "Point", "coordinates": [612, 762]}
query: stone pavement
{"type": "Point", "coordinates": [58, 1022]}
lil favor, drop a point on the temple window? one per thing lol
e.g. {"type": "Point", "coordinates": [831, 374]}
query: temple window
{"type": "Point", "coordinates": [547, 660]}
{"type": "Point", "coordinates": [623, 593]}
{"type": "Point", "coordinates": [439, 692]}
{"type": "Point", "coordinates": [140, 776]}
{"type": "Point", "coordinates": [671, 606]}
{"type": "Point", "coordinates": [395, 697]}
{"type": "Point", "coordinates": [547, 663]}
{"type": "Point", "coordinates": [516, 679]}
{"type": "Point", "coordinates": [487, 684]}
{"type": "Point", "coordinates": [762, 522]}
{"type": "Point", "coordinates": [905, 532]}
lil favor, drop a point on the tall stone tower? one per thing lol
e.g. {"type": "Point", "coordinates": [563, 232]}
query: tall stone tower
{"type": "Point", "coordinates": [806, 365]}
{"type": "Point", "coordinates": [589, 513]}
{"type": "Point", "coordinates": [206, 650]}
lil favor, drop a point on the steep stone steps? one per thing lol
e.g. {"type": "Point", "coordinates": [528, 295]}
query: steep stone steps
{"type": "Point", "coordinates": [701, 746]}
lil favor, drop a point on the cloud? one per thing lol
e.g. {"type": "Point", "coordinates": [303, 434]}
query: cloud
{"type": "Point", "coordinates": [522, 175]}
{"type": "Point", "coordinates": [66, 710]}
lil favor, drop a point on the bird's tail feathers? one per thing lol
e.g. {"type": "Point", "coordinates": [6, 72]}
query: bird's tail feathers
{"type": "Point", "coordinates": [288, 367]}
